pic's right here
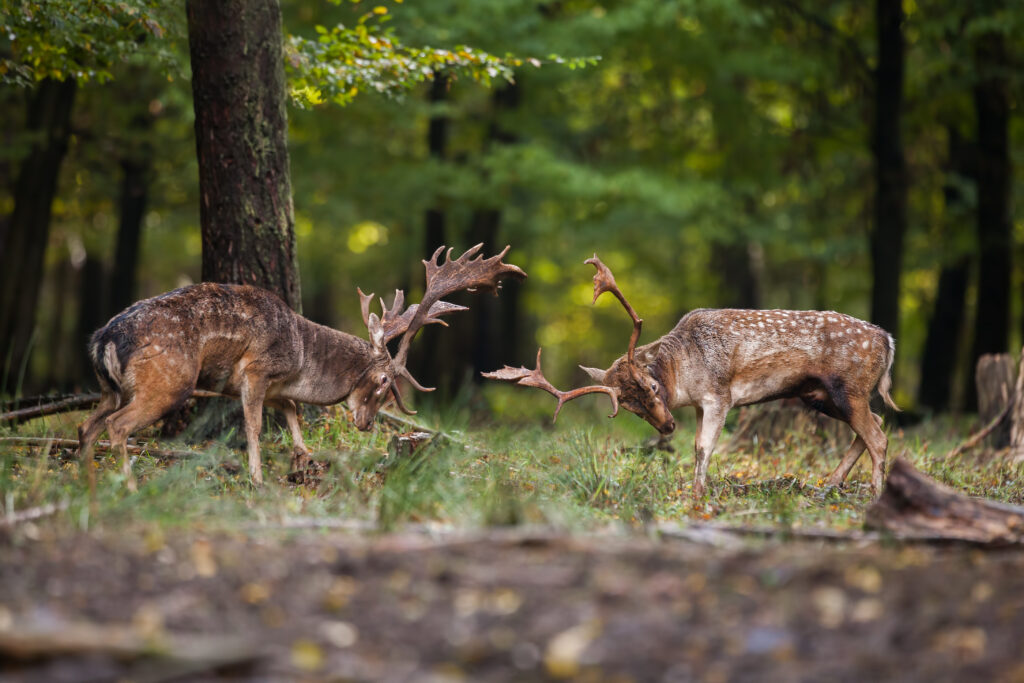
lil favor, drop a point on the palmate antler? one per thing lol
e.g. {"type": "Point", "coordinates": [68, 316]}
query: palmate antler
{"type": "Point", "coordinates": [535, 378]}
{"type": "Point", "coordinates": [465, 272]}
{"type": "Point", "coordinates": [395, 321]}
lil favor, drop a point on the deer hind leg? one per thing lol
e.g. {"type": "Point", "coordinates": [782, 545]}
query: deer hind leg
{"type": "Point", "coordinates": [159, 389]}
{"type": "Point", "coordinates": [300, 453]}
{"type": "Point", "coordinates": [710, 420]}
{"type": "Point", "coordinates": [90, 430]}
{"type": "Point", "coordinates": [867, 426]}
{"type": "Point", "coordinates": [853, 453]}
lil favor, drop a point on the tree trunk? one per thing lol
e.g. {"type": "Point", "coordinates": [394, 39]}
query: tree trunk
{"type": "Point", "coordinates": [49, 119]}
{"type": "Point", "coordinates": [890, 225]}
{"type": "Point", "coordinates": [134, 191]}
{"type": "Point", "coordinates": [994, 380]}
{"type": "Point", "coordinates": [241, 141]}
{"type": "Point", "coordinates": [92, 314]}
{"type": "Point", "coordinates": [424, 359]}
{"type": "Point", "coordinates": [945, 327]}
{"type": "Point", "coordinates": [494, 319]}
{"type": "Point", "coordinates": [991, 105]}
{"type": "Point", "coordinates": [739, 277]}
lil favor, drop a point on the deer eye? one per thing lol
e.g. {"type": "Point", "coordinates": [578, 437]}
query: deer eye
{"type": "Point", "coordinates": [654, 387]}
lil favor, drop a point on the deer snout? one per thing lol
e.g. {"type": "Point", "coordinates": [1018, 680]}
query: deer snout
{"type": "Point", "coordinates": [668, 427]}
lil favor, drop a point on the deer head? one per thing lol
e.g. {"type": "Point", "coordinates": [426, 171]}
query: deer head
{"type": "Point", "coordinates": [629, 382]}
{"type": "Point", "coordinates": [377, 385]}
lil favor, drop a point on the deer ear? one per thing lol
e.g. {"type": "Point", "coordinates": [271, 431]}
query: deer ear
{"type": "Point", "coordinates": [647, 353]}
{"type": "Point", "coordinates": [595, 373]}
{"type": "Point", "coordinates": [376, 332]}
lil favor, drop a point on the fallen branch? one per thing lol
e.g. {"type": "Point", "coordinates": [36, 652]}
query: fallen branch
{"type": "Point", "coordinates": [62, 406]}
{"type": "Point", "coordinates": [74, 402]}
{"type": "Point", "coordinates": [980, 436]}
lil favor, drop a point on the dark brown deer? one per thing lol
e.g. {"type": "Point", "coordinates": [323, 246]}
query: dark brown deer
{"type": "Point", "coordinates": [245, 342]}
{"type": "Point", "coordinates": [715, 359]}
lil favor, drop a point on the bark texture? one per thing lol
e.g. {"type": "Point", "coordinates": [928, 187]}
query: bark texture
{"type": "Point", "coordinates": [241, 140]}
{"type": "Point", "coordinates": [21, 274]}
{"type": "Point", "coordinates": [890, 225]}
{"type": "Point", "coordinates": [994, 380]}
{"type": "Point", "coordinates": [915, 505]}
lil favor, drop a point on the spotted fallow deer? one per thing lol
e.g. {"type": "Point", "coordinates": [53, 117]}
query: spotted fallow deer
{"type": "Point", "coordinates": [715, 359]}
{"type": "Point", "coordinates": [245, 342]}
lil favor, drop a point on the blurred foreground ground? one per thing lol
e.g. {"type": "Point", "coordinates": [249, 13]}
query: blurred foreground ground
{"type": "Point", "coordinates": [505, 606]}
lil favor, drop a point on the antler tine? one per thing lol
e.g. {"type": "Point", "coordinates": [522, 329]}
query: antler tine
{"type": "Point", "coordinates": [604, 281]}
{"type": "Point", "coordinates": [465, 272]}
{"type": "Point", "coordinates": [364, 305]}
{"type": "Point", "coordinates": [536, 378]}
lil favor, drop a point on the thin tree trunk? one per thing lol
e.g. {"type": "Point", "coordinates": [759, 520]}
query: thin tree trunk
{"type": "Point", "coordinates": [887, 235]}
{"type": "Point", "coordinates": [425, 359]}
{"type": "Point", "coordinates": [92, 314]}
{"type": "Point", "coordinates": [241, 128]}
{"type": "Point", "coordinates": [991, 105]}
{"type": "Point", "coordinates": [49, 119]}
{"type": "Point", "coordinates": [134, 192]}
{"type": "Point", "coordinates": [494, 321]}
{"type": "Point", "coordinates": [942, 344]}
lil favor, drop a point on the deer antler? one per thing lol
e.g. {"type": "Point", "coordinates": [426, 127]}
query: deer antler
{"type": "Point", "coordinates": [535, 378]}
{"type": "Point", "coordinates": [465, 272]}
{"type": "Point", "coordinates": [395, 321]}
{"type": "Point", "coordinates": [604, 281]}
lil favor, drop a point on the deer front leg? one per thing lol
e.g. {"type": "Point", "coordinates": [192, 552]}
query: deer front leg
{"type": "Point", "coordinates": [300, 453]}
{"type": "Point", "coordinates": [254, 388]}
{"type": "Point", "coordinates": [710, 420]}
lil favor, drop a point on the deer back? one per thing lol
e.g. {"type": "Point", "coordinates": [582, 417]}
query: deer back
{"type": "Point", "coordinates": [756, 355]}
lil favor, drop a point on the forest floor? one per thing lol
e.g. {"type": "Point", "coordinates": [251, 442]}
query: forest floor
{"type": "Point", "coordinates": [538, 556]}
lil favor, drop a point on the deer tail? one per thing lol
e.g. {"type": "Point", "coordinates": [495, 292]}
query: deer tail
{"type": "Point", "coordinates": [885, 383]}
{"type": "Point", "coordinates": [106, 363]}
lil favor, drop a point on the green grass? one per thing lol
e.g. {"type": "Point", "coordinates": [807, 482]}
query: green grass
{"type": "Point", "coordinates": [587, 471]}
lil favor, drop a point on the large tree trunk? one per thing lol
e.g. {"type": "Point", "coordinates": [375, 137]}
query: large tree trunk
{"type": "Point", "coordinates": [991, 105]}
{"type": "Point", "coordinates": [241, 140]}
{"type": "Point", "coordinates": [941, 347]}
{"type": "Point", "coordinates": [887, 235]}
{"type": "Point", "coordinates": [21, 274]}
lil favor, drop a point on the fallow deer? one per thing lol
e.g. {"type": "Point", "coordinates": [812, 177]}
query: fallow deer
{"type": "Point", "coordinates": [715, 359]}
{"type": "Point", "coordinates": [245, 342]}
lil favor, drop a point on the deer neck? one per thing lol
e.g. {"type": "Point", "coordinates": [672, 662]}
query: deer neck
{"type": "Point", "coordinates": [670, 367]}
{"type": "Point", "coordinates": [332, 362]}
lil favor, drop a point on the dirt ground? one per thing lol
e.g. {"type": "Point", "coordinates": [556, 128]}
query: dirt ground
{"type": "Point", "coordinates": [504, 606]}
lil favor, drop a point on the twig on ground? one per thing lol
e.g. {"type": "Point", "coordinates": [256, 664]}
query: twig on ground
{"type": "Point", "coordinates": [980, 436]}
{"type": "Point", "coordinates": [12, 518]}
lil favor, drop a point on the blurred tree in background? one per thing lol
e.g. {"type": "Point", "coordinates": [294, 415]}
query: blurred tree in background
{"type": "Point", "coordinates": [725, 152]}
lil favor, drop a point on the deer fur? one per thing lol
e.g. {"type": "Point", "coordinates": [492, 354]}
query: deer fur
{"type": "Point", "coordinates": [716, 359]}
{"type": "Point", "coordinates": [245, 342]}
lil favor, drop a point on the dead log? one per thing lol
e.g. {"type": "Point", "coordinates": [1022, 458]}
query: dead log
{"type": "Point", "coordinates": [913, 505]}
{"type": "Point", "coordinates": [994, 379]}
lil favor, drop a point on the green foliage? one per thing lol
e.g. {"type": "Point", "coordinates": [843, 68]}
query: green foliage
{"type": "Point", "coordinates": [85, 39]}
{"type": "Point", "coordinates": [344, 60]}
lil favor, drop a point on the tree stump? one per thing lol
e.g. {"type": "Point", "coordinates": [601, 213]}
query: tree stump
{"type": "Point", "coordinates": [913, 505]}
{"type": "Point", "coordinates": [994, 379]}
{"type": "Point", "coordinates": [772, 423]}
